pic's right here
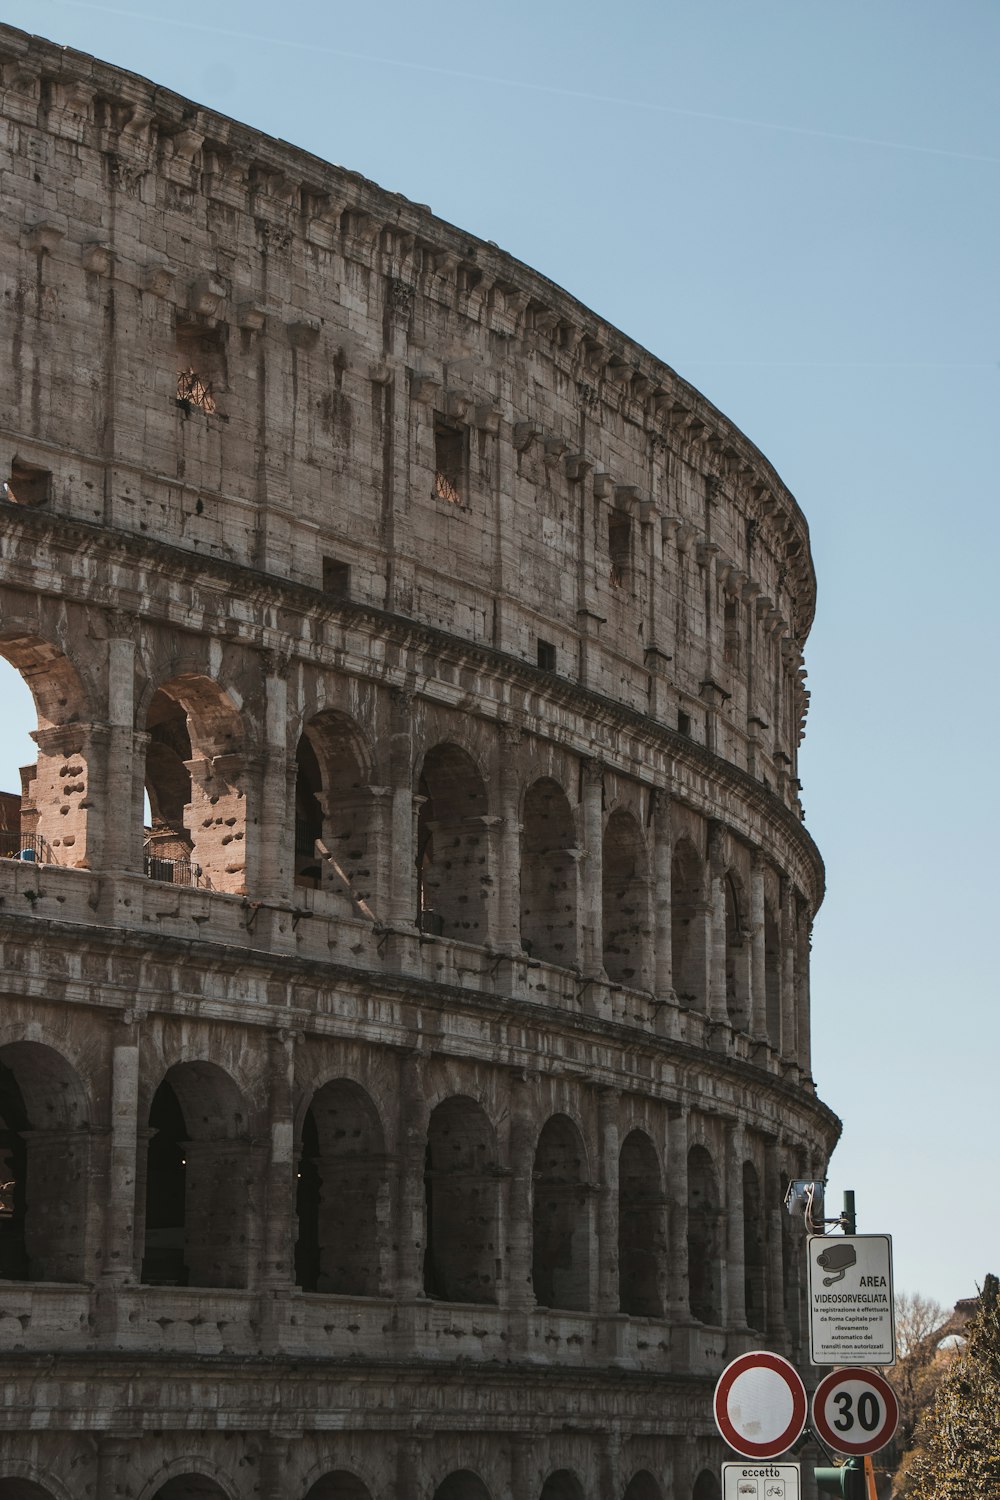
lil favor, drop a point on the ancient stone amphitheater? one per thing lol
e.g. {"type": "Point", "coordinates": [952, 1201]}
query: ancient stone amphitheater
{"type": "Point", "coordinates": [404, 1039]}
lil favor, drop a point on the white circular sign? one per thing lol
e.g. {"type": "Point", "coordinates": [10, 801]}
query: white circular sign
{"type": "Point", "coordinates": [760, 1405]}
{"type": "Point", "coordinates": [855, 1411]}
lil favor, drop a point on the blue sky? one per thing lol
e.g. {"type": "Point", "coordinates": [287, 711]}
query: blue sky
{"type": "Point", "coordinates": [796, 206]}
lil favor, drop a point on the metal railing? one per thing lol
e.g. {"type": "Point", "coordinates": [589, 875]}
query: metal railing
{"type": "Point", "coordinates": [171, 871]}
{"type": "Point", "coordinates": [32, 848]}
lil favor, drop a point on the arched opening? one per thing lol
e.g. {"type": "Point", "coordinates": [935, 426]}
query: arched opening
{"type": "Point", "coordinates": [560, 1261]}
{"type": "Point", "coordinates": [704, 1266]}
{"type": "Point", "coordinates": [190, 1487]}
{"type": "Point", "coordinates": [340, 1193]}
{"type": "Point", "coordinates": [641, 1229]}
{"type": "Point", "coordinates": [737, 954]}
{"type": "Point", "coordinates": [339, 1485]}
{"type": "Point", "coordinates": [643, 1486]}
{"type": "Point", "coordinates": [23, 1489]}
{"type": "Point", "coordinates": [772, 976]}
{"type": "Point", "coordinates": [791, 1271]}
{"type": "Point", "coordinates": [549, 872]}
{"type": "Point", "coordinates": [334, 822]}
{"type": "Point", "coordinates": [754, 1257]}
{"type": "Point", "coordinates": [706, 1487]}
{"type": "Point", "coordinates": [199, 1178]}
{"type": "Point", "coordinates": [194, 770]}
{"type": "Point", "coordinates": [461, 1183]}
{"type": "Point", "coordinates": [687, 924]}
{"type": "Point", "coordinates": [562, 1485]}
{"type": "Point", "coordinates": [625, 899]}
{"type": "Point", "coordinates": [453, 873]}
{"type": "Point", "coordinates": [462, 1485]}
{"type": "Point", "coordinates": [44, 795]}
{"type": "Point", "coordinates": [44, 1166]}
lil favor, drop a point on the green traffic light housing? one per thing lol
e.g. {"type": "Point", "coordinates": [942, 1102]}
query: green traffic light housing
{"type": "Point", "coordinates": [848, 1481]}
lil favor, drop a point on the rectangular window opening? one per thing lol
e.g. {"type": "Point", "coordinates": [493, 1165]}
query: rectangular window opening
{"type": "Point", "coordinates": [546, 656]}
{"type": "Point", "coordinates": [619, 548]}
{"type": "Point", "coordinates": [683, 722]}
{"type": "Point", "coordinates": [28, 485]}
{"type": "Point", "coordinates": [201, 366]}
{"type": "Point", "coordinates": [336, 578]}
{"type": "Point", "coordinates": [731, 639]}
{"type": "Point", "coordinates": [450, 451]}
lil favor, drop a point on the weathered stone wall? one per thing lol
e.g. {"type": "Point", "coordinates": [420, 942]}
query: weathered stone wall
{"type": "Point", "coordinates": [401, 1106]}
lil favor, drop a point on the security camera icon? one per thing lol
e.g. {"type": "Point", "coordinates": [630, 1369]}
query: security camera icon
{"type": "Point", "coordinates": [839, 1259]}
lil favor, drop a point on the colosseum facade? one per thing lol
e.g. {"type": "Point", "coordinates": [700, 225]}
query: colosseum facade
{"type": "Point", "coordinates": [405, 924]}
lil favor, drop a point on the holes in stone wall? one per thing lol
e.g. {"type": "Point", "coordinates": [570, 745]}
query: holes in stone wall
{"type": "Point", "coordinates": [625, 918]}
{"type": "Point", "coordinates": [549, 875]}
{"type": "Point", "coordinates": [341, 1183]}
{"type": "Point", "coordinates": [461, 1184]}
{"type": "Point", "coordinates": [704, 1258]}
{"type": "Point", "coordinates": [452, 854]}
{"type": "Point", "coordinates": [641, 1228]}
{"type": "Point", "coordinates": [561, 1240]}
{"type": "Point", "coordinates": [754, 1250]}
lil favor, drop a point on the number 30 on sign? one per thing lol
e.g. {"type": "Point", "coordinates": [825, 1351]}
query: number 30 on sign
{"type": "Point", "coordinates": [855, 1411]}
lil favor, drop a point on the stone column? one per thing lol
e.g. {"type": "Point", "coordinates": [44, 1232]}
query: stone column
{"type": "Point", "coordinates": [802, 998]}
{"type": "Point", "coordinates": [274, 1457]}
{"type": "Point", "coordinates": [787, 970]}
{"type": "Point", "coordinates": [662, 873]}
{"type": "Point", "coordinates": [774, 1223]}
{"type": "Point", "coordinates": [112, 1464]}
{"type": "Point", "coordinates": [758, 966]}
{"type": "Point", "coordinates": [280, 1224]}
{"type": "Point", "coordinates": [593, 872]}
{"type": "Point", "coordinates": [519, 1239]}
{"type": "Point", "coordinates": [410, 1226]}
{"type": "Point", "coordinates": [678, 1308]}
{"type": "Point", "coordinates": [122, 842]}
{"type": "Point", "coordinates": [736, 1310]}
{"type": "Point", "coordinates": [269, 873]}
{"type": "Point", "coordinates": [607, 1201]}
{"type": "Point", "coordinates": [403, 901]}
{"type": "Point", "coordinates": [525, 1481]}
{"type": "Point", "coordinates": [118, 1259]}
{"type": "Point", "coordinates": [718, 1006]}
{"type": "Point", "coordinates": [508, 905]}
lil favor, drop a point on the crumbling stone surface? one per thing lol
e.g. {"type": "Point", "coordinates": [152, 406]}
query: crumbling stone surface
{"type": "Point", "coordinates": [405, 923]}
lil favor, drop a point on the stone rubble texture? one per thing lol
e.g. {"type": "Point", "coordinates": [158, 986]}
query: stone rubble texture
{"type": "Point", "coordinates": [406, 1111]}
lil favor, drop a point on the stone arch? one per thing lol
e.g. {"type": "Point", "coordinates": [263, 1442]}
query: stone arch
{"type": "Point", "coordinates": [18, 1487]}
{"type": "Point", "coordinates": [200, 1178]}
{"type": "Point", "coordinates": [334, 805]}
{"type": "Point", "coordinates": [454, 878]}
{"type": "Point", "coordinates": [44, 1165]}
{"type": "Point", "coordinates": [706, 1487]}
{"type": "Point", "coordinates": [772, 974]}
{"type": "Point", "coordinates": [737, 952]}
{"type": "Point", "coordinates": [195, 781]}
{"type": "Point", "coordinates": [642, 1486]}
{"type": "Point", "coordinates": [641, 1228]}
{"type": "Point", "coordinates": [562, 1484]}
{"type": "Point", "coordinates": [341, 1189]}
{"type": "Point", "coordinates": [189, 1478]}
{"type": "Point", "coordinates": [53, 791]}
{"type": "Point", "coordinates": [549, 875]}
{"type": "Point", "coordinates": [687, 924]}
{"type": "Point", "coordinates": [463, 1484]}
{"type": "Point", "coordinates": [704, 1258]}
{"type": "Point", "coordinates": [561, 1227]}
{"type": "Point", "coordinates": [339, 1484]}
{"type": "Point", "coordinates": [462, 1195]}
{"type": "Point", "coordinates": [754, 1250]}
{"type": "Point", "coordinates": [625, 899]}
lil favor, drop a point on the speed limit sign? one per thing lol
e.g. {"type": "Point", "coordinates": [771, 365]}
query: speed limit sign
{"type": "Point", "coordinates": [855, 1411]}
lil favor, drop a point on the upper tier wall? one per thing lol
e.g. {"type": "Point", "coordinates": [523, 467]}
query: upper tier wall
{"type": "Point", "coordinates": [218, 341]}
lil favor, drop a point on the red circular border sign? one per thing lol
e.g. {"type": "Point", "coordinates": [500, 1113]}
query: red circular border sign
{"type": "Point", "coordinates": [871, 1442]}
{"type": "Point", "coordinates": [761, 1359]}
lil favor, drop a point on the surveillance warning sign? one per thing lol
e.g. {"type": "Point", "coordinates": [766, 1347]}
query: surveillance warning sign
{"type": "Point", "coordinates": [850, 1300]}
